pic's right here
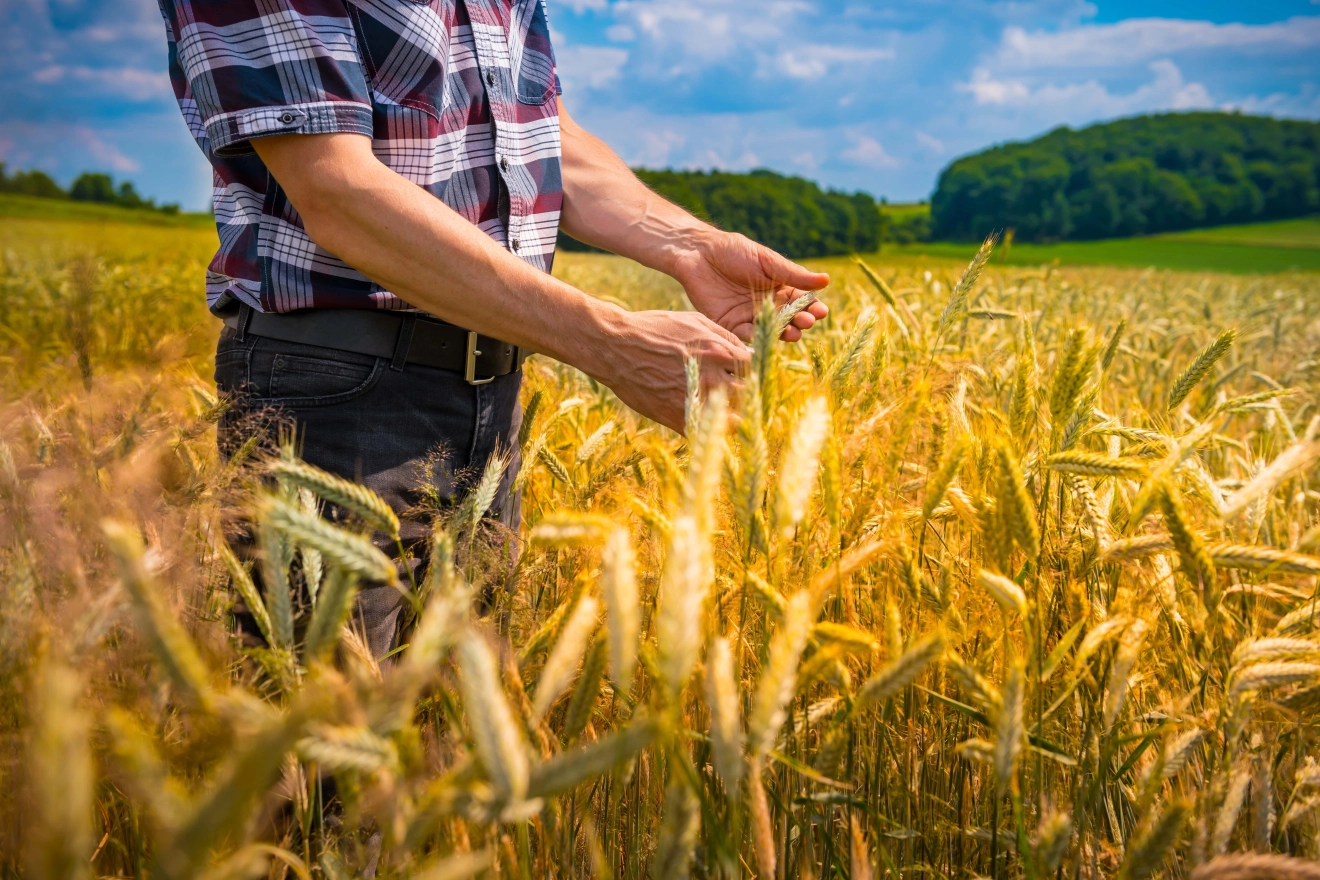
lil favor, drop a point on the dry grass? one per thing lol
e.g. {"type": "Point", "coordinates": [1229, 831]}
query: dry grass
{"type": "Point", "coordinates": [952, 592]}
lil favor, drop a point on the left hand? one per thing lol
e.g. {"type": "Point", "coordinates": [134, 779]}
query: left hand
{"type": "Point", "coordinates": [728, 275]}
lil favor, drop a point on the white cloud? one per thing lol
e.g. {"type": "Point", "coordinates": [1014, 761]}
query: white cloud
{"type": "Point", "coordinates": [814, 60]}
{"type": "Point", "coordinates": [621, 33]}
{"type": "Point", "coordinates": [934, 144]}
{"type": "Point", "coordinates": [581, 6]}
{"type": "Point", "coordinates": [656, 147]}
{"type": "Point", "coordinates": [988, 90]}
{"type": "Point", "coordinates": [1167, 90]}
{"type": "Point", "coordinates": [104, 153]}
{"type": "Point", "coordinates": [708, 30]}
{"type": "Point", "coordinates": [132, 83]}
{"type": "Point", "coordinates": [868, 151]}
{"type": "Point", "coordinates": [807, 160]}
{"type": "Point", "coordinates": [589, 67]}
{"type": "Point", "coordinates": [714, 159]}
{"type": "Point", "coordinates": [1136, 40]}
{"type": "Point", "coordinates": [1305, 105]}
{"type": "Point", "coordinates": [44, 145]}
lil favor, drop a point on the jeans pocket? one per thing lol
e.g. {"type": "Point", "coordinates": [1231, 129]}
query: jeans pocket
{"type": "Point", "coordinates": [231, 366]}
{"type": "Point", "coordinates": [290, 374]}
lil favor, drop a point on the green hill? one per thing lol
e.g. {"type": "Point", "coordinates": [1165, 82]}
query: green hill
{"type": "Point", "coordinates": [44, 208]}
{"type": "Point", "coordinates": [1133, 177]}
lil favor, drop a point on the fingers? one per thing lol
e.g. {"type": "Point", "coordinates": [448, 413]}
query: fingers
{"type": "Point", "coordinates": [804, 320]}
{"type": "Point", "coordinates": [785, 271]}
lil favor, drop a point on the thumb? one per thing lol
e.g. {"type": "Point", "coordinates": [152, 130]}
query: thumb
{"type": "Point", "coordinates": [784, 271]}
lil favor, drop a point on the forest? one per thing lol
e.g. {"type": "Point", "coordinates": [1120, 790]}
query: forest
{"type": "Point", "coordinates": [1134, 176]}
{"type": "Point", "coordinates": [790, 214]}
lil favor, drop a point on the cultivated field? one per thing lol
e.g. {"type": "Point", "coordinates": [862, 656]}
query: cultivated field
{"type": "Point", "coordinates": [1011, 578]}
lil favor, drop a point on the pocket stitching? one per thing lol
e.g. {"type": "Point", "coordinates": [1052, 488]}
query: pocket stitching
{"type": "Point", "coordinates": [328, 399]}
{"type": "Point", "coordinates": [423, 106]}
{"type": "Point", "coordinates": [535, 102]}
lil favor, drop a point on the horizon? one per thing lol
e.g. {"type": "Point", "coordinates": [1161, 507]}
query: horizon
{"type": "Point", "coordinates": [879, 198]}
{"type": "Point", "coordinates": [862, 97]}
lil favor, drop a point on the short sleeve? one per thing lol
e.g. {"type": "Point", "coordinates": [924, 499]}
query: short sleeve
{"type": "Point", "coordinates": [267, 67]}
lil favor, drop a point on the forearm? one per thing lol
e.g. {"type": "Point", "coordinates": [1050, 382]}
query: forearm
{"type": "Point", "coordinates": [416, 247]}
{"type": "Point", "coordinates": [607, 206]}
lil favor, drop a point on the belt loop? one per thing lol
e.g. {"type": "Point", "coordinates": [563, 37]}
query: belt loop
{"type": "Point", "coordinates": [244, 319]}
{"type": "Point", "coordinates": [403, 343]}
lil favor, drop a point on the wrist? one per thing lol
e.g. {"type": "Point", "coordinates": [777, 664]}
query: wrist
{"type": "Point", "coordinates": [688, 248]}
{"type": "Point", "coordinates": [599, 331]}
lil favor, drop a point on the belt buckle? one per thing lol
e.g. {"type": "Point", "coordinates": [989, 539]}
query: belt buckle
{"type": "Point", "coordinates": [470, 364]}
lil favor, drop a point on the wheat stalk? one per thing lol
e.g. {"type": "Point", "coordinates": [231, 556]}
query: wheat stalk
{"type": "Point", "coordinates": [779, 679]}
{"type": "Point", "coordinates": [353, 553]}
{"type": "Point", "coordinates": [797, 470]}
{"type": "Point", "coordinates": [340, 492]}
{"type": "Point", "coordinates": [899, 673]}
{"type": "Point", "coordinates": [561, 665]}
{"type": "Point", "coordinates": [725, 727]}
{"type": "Point", "coordinates": [618, 586]}
{"type": "Point", "coordinates": [1009, 729]}
{"type": "Point", "coordinates": [957, 304]}
{"type": "Point", "coordinates": [1253, 866]}
{"type": "Point", "coordinates": [1198, 368]}
{"type": "Point", "coordinates": [495, 732]}
{"type": "Point", "coordinates": [1151, 845]}
{"type": "Point", "coordinates": [1089, 464]}
{"type": "Point", "coordinates": [175, 651]}
{"type": "Point", "coordinates": [60, 761]}
{"type": "Point", "coordinates": [1008, 595]}
{"type": "Point", "coordinates": [678, 832]}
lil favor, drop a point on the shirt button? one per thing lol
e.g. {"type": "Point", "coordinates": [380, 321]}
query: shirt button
{"type": "Point", "coordinates": [286, 118]}
{"type": "Point", "coordinates": [490, 77]}
{"type": "Point", "coordinates": [504, 163]}
{"type": "Point", "coordinates": [515, 244]}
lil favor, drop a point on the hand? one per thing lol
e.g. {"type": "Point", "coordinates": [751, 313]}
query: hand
{"type": "Point", "coordinates": [727, 275]}
{"type": "Point", "coordinates": [643, 361]}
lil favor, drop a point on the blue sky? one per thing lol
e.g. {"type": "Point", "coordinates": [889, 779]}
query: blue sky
{"type": "Point", "coordinates": [858, 95]}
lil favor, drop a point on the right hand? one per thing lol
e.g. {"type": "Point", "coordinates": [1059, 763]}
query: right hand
{"type": "Point", "coordinates": [644, 361]}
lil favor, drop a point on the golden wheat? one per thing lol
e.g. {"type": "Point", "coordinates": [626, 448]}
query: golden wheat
{"type": "Point", "coordinates": [1048, 546]}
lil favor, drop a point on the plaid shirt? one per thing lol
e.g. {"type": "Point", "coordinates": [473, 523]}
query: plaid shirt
{"type": "Point", "coordinates": [458, 96]}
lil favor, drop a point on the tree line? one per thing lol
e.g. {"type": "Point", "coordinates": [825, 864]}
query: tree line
{"type": "Point", "coordinates": [793, 215]}
{"type": "Point", "coordinates": [90, 186]}
{"type": "Point", "coordinates": [1134, 176]}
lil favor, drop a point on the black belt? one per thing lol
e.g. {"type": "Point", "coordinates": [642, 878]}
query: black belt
{"type": "Point", "coordinates": [400, 336]}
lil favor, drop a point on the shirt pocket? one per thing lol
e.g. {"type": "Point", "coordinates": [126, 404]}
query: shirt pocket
{"type": "Point", "coordinates": [534, 60]}
{"type": "Point", "coordinates": [405, 47]}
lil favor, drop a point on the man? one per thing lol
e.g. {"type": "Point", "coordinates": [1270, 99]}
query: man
{"type": "Point", "coordinates": [381, 164]}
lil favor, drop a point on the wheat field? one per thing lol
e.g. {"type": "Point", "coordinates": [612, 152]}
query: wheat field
{"type": "Point", "coordinates": [1000, 573]}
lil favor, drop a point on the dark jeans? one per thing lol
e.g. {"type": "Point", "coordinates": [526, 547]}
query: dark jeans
{"type": "Point", "coordinates": [413, 435]}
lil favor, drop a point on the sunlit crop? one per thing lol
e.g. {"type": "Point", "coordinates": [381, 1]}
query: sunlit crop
{"type": "Point", "coordinates": [1000, 573]}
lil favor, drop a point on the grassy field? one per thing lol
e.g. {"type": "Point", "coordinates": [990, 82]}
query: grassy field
{"type": "Point", "coordinates": [905, 209]}
{"type": "Point", "coordinates": [31, 207]}
{"type": "Point", "coordinates": [1005, 577]}
{"type": "Point", "coordinates": [1303, 232]}
{"type": "Point", "coordinates": [1256, 248]}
